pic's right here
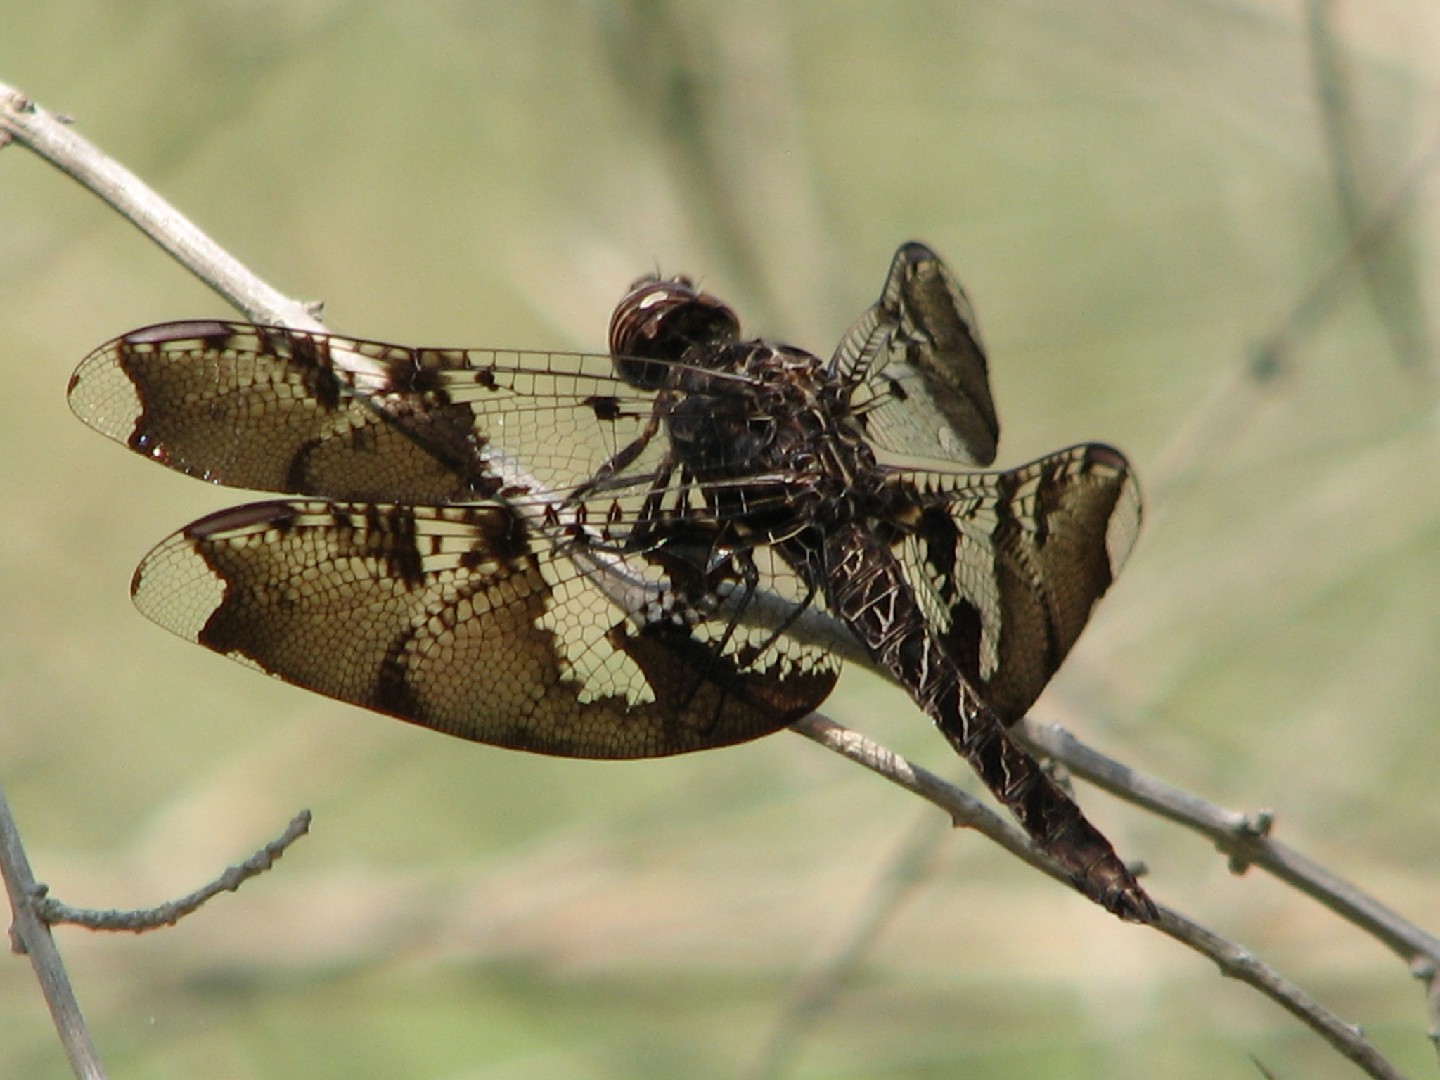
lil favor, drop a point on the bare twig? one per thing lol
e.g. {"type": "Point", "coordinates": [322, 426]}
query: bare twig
{"type": "Point", "coordinates": [1232, 959]}
{"type": "Point", "coordinates": [964, 809]}
{"type": "Point", "coordinates": [1245, 838]}
{"type": "Point", "coordinates": [1243, 834]}
{"type": "Point", "coordinates": [30, 934]}
{"type": "Point", "coordinates": [49, 136]}
{"type": "Point", "coordinates": [169, 913]}
{"type": "Point", "coordinates": [1237, 962]}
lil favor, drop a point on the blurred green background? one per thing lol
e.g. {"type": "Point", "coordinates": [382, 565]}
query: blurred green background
{"type": "Point", "coordinates": [1206, 232]}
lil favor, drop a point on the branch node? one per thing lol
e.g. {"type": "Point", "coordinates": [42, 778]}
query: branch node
{"type": "Point", "coordinates": [1258, 824]}
{"type": "Point", "coordinates": [1244, 839]}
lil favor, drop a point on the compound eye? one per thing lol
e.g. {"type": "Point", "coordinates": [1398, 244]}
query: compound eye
{"type": "Point", "coordinates": [659, 323]}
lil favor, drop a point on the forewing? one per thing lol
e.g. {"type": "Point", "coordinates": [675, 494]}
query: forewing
{"type": "Point", "coordinates": [467, 620]}
{"type": "Point", "coordinates": [1009, 565]}
{"type": "Point", "coordinates": [922, 385]}
{"type": "Point", "coordinates": [274, 409]}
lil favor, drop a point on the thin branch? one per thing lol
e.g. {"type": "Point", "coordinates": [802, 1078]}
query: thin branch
{"type": "Point", "coordinates": [49, 136]}
{"type": "Point", "coordinates": [140, 920]}
{"type": "Point", "coordinates": [1233, 960]}
{"type": "Point", "coordinates": [46, 134]}
{"type": "Point", "coordinates": [1245, 838]}
{"type": "Point", "coordinates": [1239, 963]}
{"type": "Point", "coordinates": [964, 809]}
{"type": "Point", "coordinates": [30, 934]}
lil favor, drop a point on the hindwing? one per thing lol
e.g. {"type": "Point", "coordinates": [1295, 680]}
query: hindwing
{"type": "Point", "coordinates": [466, 620]}
{"type": "Point", "coordinates": [1009, 565]}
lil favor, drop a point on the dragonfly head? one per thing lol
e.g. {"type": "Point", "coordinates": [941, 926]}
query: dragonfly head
{"type": "Point", "coordinates": [667, 320]}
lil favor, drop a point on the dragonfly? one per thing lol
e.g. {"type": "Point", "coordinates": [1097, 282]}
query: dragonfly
{"type": "Point", "coordinates": [664, 548]}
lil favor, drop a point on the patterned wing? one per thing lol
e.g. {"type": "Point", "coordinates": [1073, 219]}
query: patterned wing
{"type": "Point", "coordinates": [462, 581]}
{"type": "Point", "coordinates": [921, 383]}
{"type": "Point", "coordinates": [1009, 565]}
{"type": "Point", "coordinates": [467, 620]}
{"type": "Point", "coordinates": [274, 409]}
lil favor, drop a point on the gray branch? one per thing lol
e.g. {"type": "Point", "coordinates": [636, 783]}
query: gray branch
{"type": "Point", "coordinates": [30, 934]}
{"type": "Point", "coordinates": [1233, 959]}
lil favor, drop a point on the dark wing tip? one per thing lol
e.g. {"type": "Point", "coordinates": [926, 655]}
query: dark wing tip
{"type": "Point", "coordinates": [913, 251]}
{"type": "Point", "coordinates": [276, 513]}
{"type": "Point", "coordinates": [184, 330]}
{"type": "Point", "coordinates": [1106, 457]}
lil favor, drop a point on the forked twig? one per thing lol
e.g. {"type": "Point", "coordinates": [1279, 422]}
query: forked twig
{"type": "Point", "coordinates": [30, 934]}
{"type": "Point", "coordinates": [34, 913]}
{"type": "Point", "coordinates": [1244, 839]}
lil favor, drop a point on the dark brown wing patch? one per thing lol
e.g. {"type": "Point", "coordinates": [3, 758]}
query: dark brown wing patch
{"type": "Point", "coordinates": [1009, 565]}
{"type": "Point", "coordinates": [459, 619]}
{"type": "Point", "coordinates": [274, 409]}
